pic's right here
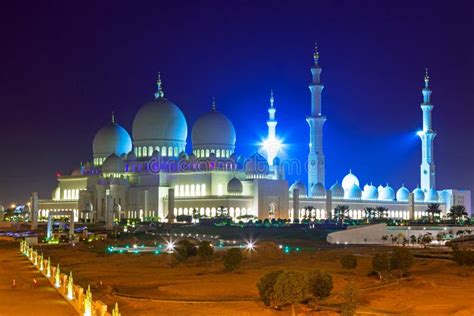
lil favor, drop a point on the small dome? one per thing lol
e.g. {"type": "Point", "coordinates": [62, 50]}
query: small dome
{"type": "Point", "coordinates": [88, 207]}
{"type": "Point", "coordinates": [76, 172]}
{"type": "Point", "coordinates": [213, 130]}
{"type": "Point", "coordinates": [337, 190]}
{"type": "Point", "coordinates": [112, 164]}
{"type": "Point", "coordinates": [300, 186]}
{"type": "Point", "coordinates": [370, 192]}
{"type": "Point", "coordinates": [380, 189]}
{"type": "Point", "coordinates": [387, 194]}
{"type": "Point", "coordinates": [349, 180]}
{"type": "Point", "coordinates": [131, 156]}
{"type": "Point", "coordinates": [354, 192]}
{"type": "Point", "coordinates": [432, 196]}
{"type": "Point", "coordinates": [318, 190]}
{"type": "Point", "coordinates": [419, 195]}
{"type": "Point", "coordinates": [111, 139]}
{"type": "Point", "coordinates": [402, 194]}
{"type": "Point", "coordinates": [234, 186]}
{"type": "Point", "coordinates": [160, 120]}
{"type": "Point", "coordinates": [256, 164]}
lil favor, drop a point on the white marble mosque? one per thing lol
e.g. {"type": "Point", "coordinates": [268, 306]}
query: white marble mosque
{"type": "Point", "coordinates": [149, 174]}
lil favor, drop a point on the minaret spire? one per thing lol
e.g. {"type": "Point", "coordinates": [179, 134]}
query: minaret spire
{"type": "Point", "coordinates": [427, 136]}
{"type": "Point", "coordinates": [213, 106]}
{"type": "Point", "coordinates": [271, 144]}
{"type": "Point", "coordinates": [113, 117]}
{"type": "Point", "coordinates": [159, 89]}
{"type": "Point", "coordinates": [316, 157]}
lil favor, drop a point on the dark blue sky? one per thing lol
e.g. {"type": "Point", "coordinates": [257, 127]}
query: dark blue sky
{"type": "Point", "coordinates": [65, 67]}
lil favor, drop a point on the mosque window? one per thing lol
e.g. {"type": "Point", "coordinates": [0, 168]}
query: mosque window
{"type": "Point", "coordinates": [181, 190]}
{"type": "Point", "coordinates": [150, 151]}
{"type": "Point", "coordinates": [163, 151]}
{"type": "Point", "coordinates": [136, 151]}
{"type": "Point", "coordinates": [203, 189]}
{"type": "Point", "coordinates": [202, 153]}
{"type": "Point", "coordinates": [126, 167]}
{"type": "Point", "coordinates": [139, 152]}
{"type": "Point", "coordinates": [219, 190]}
{"type": "Point", "coordinates": [207, 152]}
{"type": "Point", "coordinates": [193, 190]}
{"type": "Point", "coordinates": [223, 153]}
{"type": "Point", "coordinates": [218, 154]}
{"type": "Point", "coordinates": [176, 190]}
{"type": "Point", "coordinates": [186, 190]}
{"type": "Point", "coordinates": [144, 151]}
{"type": "Point", "coordinates": [157, 148]}
{"type": "Point", "coordinates": [198, 190]}
{"type": "Point", "coordinates": [176, 151]}
{"type": "Point", "coordinates": [170, 151]}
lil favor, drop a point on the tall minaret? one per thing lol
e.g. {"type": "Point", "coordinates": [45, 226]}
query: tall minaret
{"type": "Point", "coordinates": [271, 143]}
{"type": "Point", "coordinates": [316, 159]}
{"type": "Point", "coordinates": [427, 135]}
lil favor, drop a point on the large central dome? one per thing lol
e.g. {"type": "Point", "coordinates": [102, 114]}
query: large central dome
{"type": "Point", "coordinates": [158, 125]}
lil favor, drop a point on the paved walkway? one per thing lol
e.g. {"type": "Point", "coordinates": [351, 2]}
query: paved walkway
{"type": "Point", "coordinates": [25, 299]}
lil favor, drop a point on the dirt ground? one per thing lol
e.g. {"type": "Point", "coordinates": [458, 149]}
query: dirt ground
{"type": "Point", "coordinates": [147, 284]}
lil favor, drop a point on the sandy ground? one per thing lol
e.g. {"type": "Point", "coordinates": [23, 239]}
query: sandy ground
{"type": "Point", "coordinates": [26, 299]}
{"type": "Point", "coordinates": [145, 284]}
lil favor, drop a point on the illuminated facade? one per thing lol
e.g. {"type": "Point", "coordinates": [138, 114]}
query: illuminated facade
{"type": "Point", "coordinates": [150, 174]}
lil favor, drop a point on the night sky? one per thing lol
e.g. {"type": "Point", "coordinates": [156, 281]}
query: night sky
{"type": "Point", "coordinates": [65, 67]}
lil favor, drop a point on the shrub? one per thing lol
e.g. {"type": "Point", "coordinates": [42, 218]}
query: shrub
{"type": "Point", "coordinates": [265, 287]}
{"type": "Point", "coordinates": [402, 259]}
{"type": "Point", "coordinates": [191, 249]}
{"type": "Point", "coordinates": [205, 250]}
{"type": "Point", "coordinates": [349, 262]}
{"type": "Point", "coordinates": [184, 218]}
{"type": "Point", "coordinates": [319, 284]}
{"type": "Point", "coordinates": [232, 259]}
{"type": "Point", "coordinates": [350, 300]}
{"type": "Point", "coordinates": [381, 264]}
{"type": "Point", "coordinates": [291, 287]}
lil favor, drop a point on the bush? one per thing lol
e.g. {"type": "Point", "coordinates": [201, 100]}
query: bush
{"type": "Point", "coordinates": [402, 259]}
{"type": "Point", "coordinates": [319, 284]}
{"type": "Point", "coordinates": [291, 287]}
{"type": "Point", "coordinates": [184, 218]}
{"type": "Point", "coordinates": [265, 287]}
{"type": "Point", "coordinates": [381, 264]}
{"type": "Point", "coordinates": [463, 257]}
{"type": "Point", "coordinates": [205, 250]}
{"type": "Point", "coordinates": [350, 300]}
{"type": "Point", "coordinates": [191, 249]}
{"type": "Point", "coordinates": [349, 262]}
{"type": "Point", "coordinates": [232, 259]}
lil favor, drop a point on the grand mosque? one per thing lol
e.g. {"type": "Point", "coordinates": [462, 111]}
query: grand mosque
{"type": "Point", "coordinates": [149, 175]}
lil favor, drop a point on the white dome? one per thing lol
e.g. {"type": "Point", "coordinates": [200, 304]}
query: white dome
{"type": "Point", "coordinates": [337, 190]}
{"type": "Point", "coordinates": [256, 164]}
{"type": "Point", "coordinates": [300, 186]}
{"type": "Point", "coordinates": [432, 196]}
{"type": "Point", "coordinates": [318, 190]}
{"type": "Point", "coordinates": [113, 164]}
{"type": "Point", "coordinates": [379, 189]}
{"type": "Point", "coordinates": [234, 186]}
{"type": "Point", "coordinates": [213, 130]}
{"type": "Point", "coordinates": [387, 194]}
{"type": "Point", "coordinates": [349, 180]}
{"type": "Point", "coordinates": [419, 195]}
{"type": "Point", "coordinates": [111, 139]}
{"type": "Point", "coordinates": [159, 121]}
{"type": "Point", "coordinates": [370, 192]}
{"type": "Point", "coordinates": [354, 192]}
{"type": "Point", "coordinates": [403, 194]}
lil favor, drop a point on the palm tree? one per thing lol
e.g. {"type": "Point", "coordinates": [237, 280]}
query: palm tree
{"type": "Point", "coordinates": [308, 210]}
{"type": "Point", "coordinates": [433, 209]}
{"type": "Point", "coordinates": [457, 212]}
{"type": "Point", "coordinates": [369, 213]}
{"type": "Point", "coordinates": [381, 211]}
{"type": "Point", "coordinates": [341, 213]}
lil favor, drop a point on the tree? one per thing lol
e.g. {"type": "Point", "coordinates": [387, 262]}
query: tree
{"type": "Point", "coordinates": [319, 284]}
{"type": "Point", "coordinates": [205, 250]}
{"type": "Point", "coordinates": [232, 259]}
{"type": "Point", "coordinates": [291, 288]}
{"type": "Point", "coordinates": [457, 212]}
{"type": "Point", "coordinates": [381, 264]}
{"type": "Point", "coordinates": [265, 287]}
{"type": "Point", "coordinates": [349, 262]}
{"type": "Point", "coordinates": [369, 213]}
{"type": "Point", "coordinates": [350, 299]}
{"type": "Point", "coordinates": [402, 259]}
{"type": "Point", "coordinates": [413, 239]}
{"type": "Point", "coordinates": [308, 210]}
{"type": "Point", "coordinates": [341, 213]}
{"type": "Point", "coordinates": [381, 211]}
{"type": "Point", "coordinates": [433, 210]}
